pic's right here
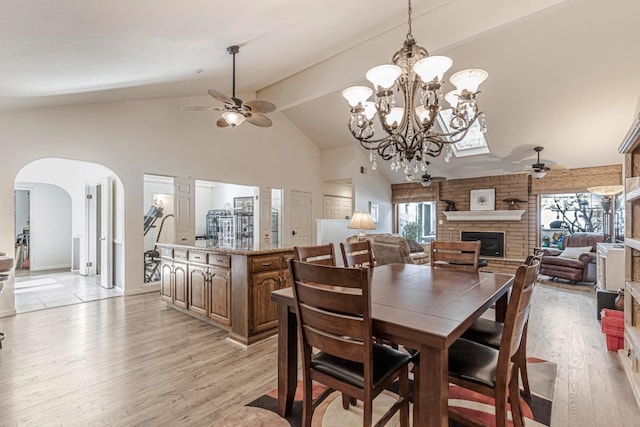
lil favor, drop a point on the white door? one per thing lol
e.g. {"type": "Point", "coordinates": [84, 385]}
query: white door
{"type": "Point", "coordinates": [106, 233]}
{"type": "Point", "coordinates": [264, 234]}
{"type": "Point", "coordinates": [300, 218]}
{"type": "Point", "coordinates": [185, 211]}
{"type": "Point", "coordinates": [90, 267]}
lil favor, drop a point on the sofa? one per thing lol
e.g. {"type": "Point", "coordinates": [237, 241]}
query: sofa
{"type": "Point", "coordinates": [388, 248]}
{"type": "Point", "coordinates": [575, 261]}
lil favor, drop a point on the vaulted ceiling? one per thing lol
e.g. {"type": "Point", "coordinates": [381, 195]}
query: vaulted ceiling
{"type": "Point", "coordinates": [562, 74]}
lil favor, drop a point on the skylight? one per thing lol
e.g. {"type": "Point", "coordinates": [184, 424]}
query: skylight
{"type": "Point", "coordinates": [472, 144]}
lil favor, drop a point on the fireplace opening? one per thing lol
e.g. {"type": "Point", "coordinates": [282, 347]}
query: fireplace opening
{"type": "Point", "coordinates": [491, 243]}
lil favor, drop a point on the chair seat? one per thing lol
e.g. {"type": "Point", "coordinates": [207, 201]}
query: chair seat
{"type": "Point", "coordinates": [386, 361]}
{"type": "Point", "coordinates": [481, 368]}
{"type": "Point", "coordinates": [485, 331]}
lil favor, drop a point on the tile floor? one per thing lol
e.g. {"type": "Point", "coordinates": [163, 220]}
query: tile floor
{"type": "Point", "coordinates": [54, 288]}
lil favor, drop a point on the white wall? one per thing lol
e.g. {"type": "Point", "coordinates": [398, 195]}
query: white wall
{"type": "Point", "coordinates": [154, 137]}
{"type": "Point", "coordinates": [337, 189]}
{"type": "Point", "coordinates": [50, 240]}
{"type": "Point", "coordinates": [22, 210]}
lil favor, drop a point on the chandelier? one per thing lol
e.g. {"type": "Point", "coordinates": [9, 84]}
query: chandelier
{"type": "Point", "coordinates": [407, 102]}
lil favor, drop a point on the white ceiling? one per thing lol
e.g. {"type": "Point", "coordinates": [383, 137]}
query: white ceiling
{"type": "Point", "coordinates": [562, 73]}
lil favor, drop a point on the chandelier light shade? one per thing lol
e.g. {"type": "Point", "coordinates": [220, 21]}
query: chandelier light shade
{"type": "Point", "coordinates": [361, 221]}
{"type": "Point", "coordinates": [407, 97]}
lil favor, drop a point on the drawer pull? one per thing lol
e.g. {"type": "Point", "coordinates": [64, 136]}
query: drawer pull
{"type": "Point", "coordinates": [267, 264]}
{"type": "Point", "coordinates": [220, 260]}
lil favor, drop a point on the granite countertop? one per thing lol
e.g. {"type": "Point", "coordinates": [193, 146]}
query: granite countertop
{"type": "Point", "coordinates": [230, 251]}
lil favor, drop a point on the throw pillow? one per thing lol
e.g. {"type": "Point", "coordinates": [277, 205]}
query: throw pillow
{"type": "Point", "coordinates": [574, 252]}
{"type": "Point", "coordinates": [414, 246]}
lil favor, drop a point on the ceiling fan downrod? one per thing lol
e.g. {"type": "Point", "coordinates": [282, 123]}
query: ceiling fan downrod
{"type": "Point", "coordinates": [232, 51]}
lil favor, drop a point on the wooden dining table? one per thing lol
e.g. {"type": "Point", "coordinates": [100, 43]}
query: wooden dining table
{"type": "Point", "coordinates": [416, 306]}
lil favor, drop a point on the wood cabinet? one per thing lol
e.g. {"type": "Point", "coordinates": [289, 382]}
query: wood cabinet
{"type": "Point", "coordinates": [228, 289]}
{"type": "Point", "coordinates": [630, 355]}
{"type": "Point", "coordinates": [219, 307]}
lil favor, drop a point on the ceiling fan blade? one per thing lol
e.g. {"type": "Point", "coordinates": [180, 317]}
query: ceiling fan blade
{"type": "Point", "coordinates": [259, 106]}
{"type": "Point", "coordinates": [222, 123]}
{"type": "Point", "coordinates": [558, 167]}
{"type": "Point", "coordinates": [220, 96]}
{"type": "Point", "coordinates": [259, 119]}
{"type": "Point", "coordinates": [197, 108]}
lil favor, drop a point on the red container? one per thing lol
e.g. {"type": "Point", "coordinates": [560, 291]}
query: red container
{"type": "Point", "coordinates": [612, 322]}
{"type": "Point", "coordinates": [614, 343]}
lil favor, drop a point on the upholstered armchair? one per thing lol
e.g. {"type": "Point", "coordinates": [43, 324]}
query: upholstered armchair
{"type": "Point", "coordinates": [389, 248]}
{"type": "Point", "coordinates": [576, 261]}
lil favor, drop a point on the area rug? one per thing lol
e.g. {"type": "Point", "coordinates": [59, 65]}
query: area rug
{"type": "Point", "coordinates": [263, 411]}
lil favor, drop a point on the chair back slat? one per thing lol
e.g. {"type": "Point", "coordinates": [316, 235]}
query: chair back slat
{"type": "Point", "coordinates": [333, 307]}
{"type": "Point", "coordinates": [333, 323]}
{"type": "Point", "coordinates": [455, 255]}
{"type": "Point", "coordinates": [357, 254]}
{"type": "Point", "coordinates": [318, 254]}
{"type": "Point", "coordinates": [326, 298]}
{"type": "Point", "coordinates": [335, 345]}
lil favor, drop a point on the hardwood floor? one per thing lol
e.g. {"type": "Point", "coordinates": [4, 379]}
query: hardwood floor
{"type": "Point", "coordinates": [131, 361]}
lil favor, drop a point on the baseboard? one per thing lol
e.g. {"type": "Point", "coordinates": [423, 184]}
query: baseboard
{"type": "Point", "coordinates": [51, 267]}
{"type": "Point", "coordinates": [8, 313]}
{"type": "Point", "coordinates": [146, 289]}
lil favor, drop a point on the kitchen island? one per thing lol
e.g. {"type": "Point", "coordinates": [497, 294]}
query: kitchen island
{"type": "Point", "coordinates": [229, 288]}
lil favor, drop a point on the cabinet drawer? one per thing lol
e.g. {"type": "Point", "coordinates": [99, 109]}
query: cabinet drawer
{"type": "Point", "coordinates": [166, 252]}
{"type": "Point", "coordinates": [264, 263]}
{"type": "Point", "coordinates": [197, 256]}
{"type": "Point", "coordinates": [180, 254]}
{"type": "Point", "coordinates": [285, 259]}
{"type": "Point", "coordinates": [220, 260]}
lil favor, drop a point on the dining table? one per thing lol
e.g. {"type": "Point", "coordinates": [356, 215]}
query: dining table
{"type": "Point", "coordinates": [418, 307]}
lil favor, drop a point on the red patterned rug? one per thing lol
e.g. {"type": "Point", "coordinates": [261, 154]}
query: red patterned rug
{"type": "Point", "coordinates": [537, 409]}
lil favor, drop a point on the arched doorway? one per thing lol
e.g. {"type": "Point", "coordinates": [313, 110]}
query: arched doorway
{"type": "Point", "coordinates": [72, 239]}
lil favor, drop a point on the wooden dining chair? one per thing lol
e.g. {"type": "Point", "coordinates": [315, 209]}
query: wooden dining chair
{"type": "Point", "coordinates": [492, 372]}
{"type": "Point", "coordinates": [318, 254]}
{"type": "Point", "coordinates": [488, 332]}
{"type": "Point", "coordinates": [357, 254]}
{"type": "Point", "coordinates": [333, 309]}
{"type": "Point", "coordinates": [456, 255]}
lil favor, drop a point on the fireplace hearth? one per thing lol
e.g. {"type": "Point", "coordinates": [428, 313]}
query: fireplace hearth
{"type": "Point", "coordinates": [491, 242]}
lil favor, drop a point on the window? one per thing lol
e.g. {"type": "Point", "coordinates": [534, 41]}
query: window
{"type": "Point", "coordinates": [417, 221]}
{"type": "Point", "coordinates": [474, 141]}
{"type": "Point", "coordinates": [562, 214]}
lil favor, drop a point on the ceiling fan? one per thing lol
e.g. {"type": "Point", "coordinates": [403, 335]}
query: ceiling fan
{"type": "Point", "coordinates": [426, 180]}
{"type": "Point", "coordinates": [235, 111]}
{"type": "Point", "coordinates": [538, 169]}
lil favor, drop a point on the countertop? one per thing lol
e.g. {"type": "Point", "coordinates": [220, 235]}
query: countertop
{"type": "Point", "coordinates": [230, 251]}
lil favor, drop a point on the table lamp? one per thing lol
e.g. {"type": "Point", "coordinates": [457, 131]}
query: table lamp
{"type": "Point", "coordinates": [361, 221]}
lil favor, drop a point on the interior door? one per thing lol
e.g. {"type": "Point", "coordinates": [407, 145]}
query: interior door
{"type": "Point", "coordinates": [300, 218]}
{"type": "Point", "coordinates": [106, 233]}
{"type": "Point", "coordinates": [90, 267]}
{"type": "Point", "coordinates": [184, 209]}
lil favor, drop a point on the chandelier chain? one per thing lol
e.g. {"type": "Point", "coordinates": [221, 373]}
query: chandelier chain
{"type": "Point", "coordinates": [409, 33]}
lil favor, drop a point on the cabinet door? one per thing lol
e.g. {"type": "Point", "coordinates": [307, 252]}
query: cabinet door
{"type": "Point", "coordinates": [180, 284]}
{"type": "Point", "coordinates": [220, 295]}
{"type": "Point", "coordinates": [197, 286]}
{"type": "Point", "coordinates": [263, 311]}
{"type": "Point", "coordinates": [166, 279]}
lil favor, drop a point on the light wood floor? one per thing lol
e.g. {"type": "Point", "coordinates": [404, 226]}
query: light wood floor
{"type": "Point", "coordinates": [131, 361]}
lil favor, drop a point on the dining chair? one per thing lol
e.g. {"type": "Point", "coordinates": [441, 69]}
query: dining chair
{"type": "Point", "coordinates": [333, 309]}
{"type": "Point", "coordinates": [455, 254]}
{"type": "Point", "coordinates": [357, 254]}
{"type": "Point", "coordinates": [492, 372]}
{"type": "Point", "coordinates": [488, 332]}
{"type": "Point", "coordinates": [318, 254]}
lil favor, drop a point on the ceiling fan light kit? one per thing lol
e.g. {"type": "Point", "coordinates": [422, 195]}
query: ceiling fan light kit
{"type": "Point", "coordinates": [235, 111]}
{"type": "Point", "coordinates": [408, 131]}
{"type": "Point", "coordinates": [539, 169]}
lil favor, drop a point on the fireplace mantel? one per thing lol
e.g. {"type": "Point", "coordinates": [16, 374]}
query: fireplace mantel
{"type": "Point", "coordinates": [508, 215]}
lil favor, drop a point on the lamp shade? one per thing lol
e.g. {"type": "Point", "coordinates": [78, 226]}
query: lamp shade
{"type": "Point", "coordinates": [233, 118]}
{"type": "Point", "coordinates": [452, 98]}
{"type": "Point", "coordinates": [422, 113]}
{"type": "Point", "coordinates": [356, 95]}
{"type": "Point", "coordinates": [432, 68]}
{"type": "Point", "coordinates": [384, 76]}
{"type": "Point", "coordinates": [394, 116]}
{"type": "Point", "coordinates": [361, 221]}
{"type": "Point", "coordinates": [469, 79]}
{"type": "Point", "coordinates": [369, 110]}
